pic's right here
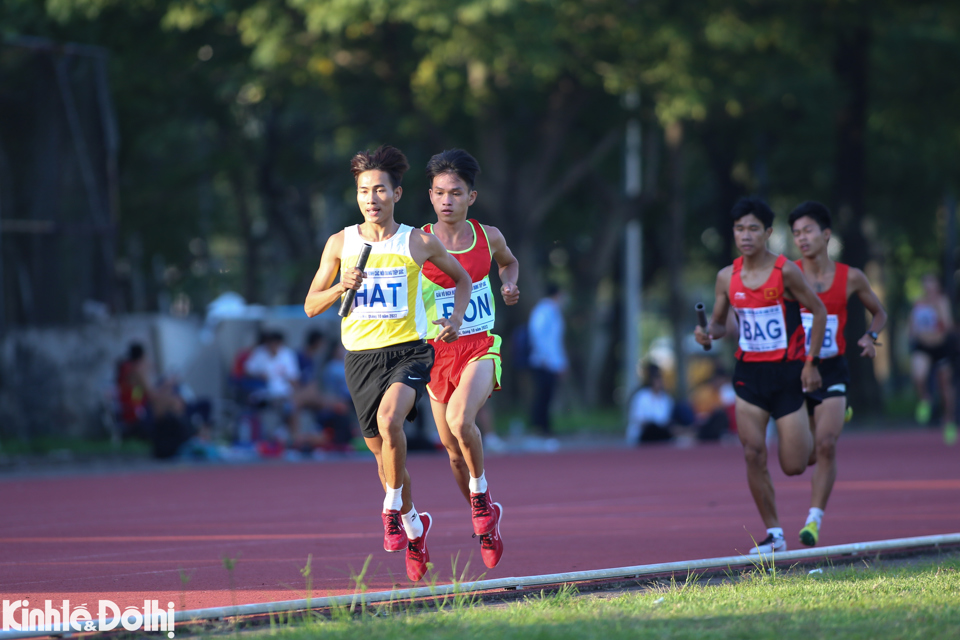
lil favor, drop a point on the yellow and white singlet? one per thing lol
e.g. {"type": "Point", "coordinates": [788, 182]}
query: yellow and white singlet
{"type": "Point", "coordinates": [388, 308]}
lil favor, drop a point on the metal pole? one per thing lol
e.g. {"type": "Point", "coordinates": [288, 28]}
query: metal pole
{"type": "Point", "coordinates": [633, 257]}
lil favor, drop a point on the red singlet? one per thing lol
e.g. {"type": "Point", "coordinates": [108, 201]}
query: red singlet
{"type": "Point", "coordinates": [835, 300]}
{"type": "Point", "coordinates": [770, 328]}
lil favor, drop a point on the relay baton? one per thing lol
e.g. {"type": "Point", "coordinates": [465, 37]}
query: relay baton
{"type": "Point", "coordinates": [347, 303]}
{"type": "Point", "coordinates": [702, 321]}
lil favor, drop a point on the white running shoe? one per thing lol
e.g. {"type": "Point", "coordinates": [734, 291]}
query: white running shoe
{"type": "Point", "coordinates": [770, 544]}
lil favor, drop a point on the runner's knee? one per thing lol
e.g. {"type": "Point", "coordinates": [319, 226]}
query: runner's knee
{"type": "Point", "coordinates": [755, 454]}
{"type": "Point", "coordinates": [391, 428]}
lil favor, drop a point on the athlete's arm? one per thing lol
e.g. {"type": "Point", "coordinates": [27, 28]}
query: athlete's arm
{"type": "Point", "coordinates": [429, 248]}
{"type": "Point", "coordinates": [509, 268]}
{"type": "Point", "coordinates": [717, 327]}
{"type": "Point", "coordinates": [857, 283]}
{"type": "Point", "coordinates": [798, 287]}
{"type": "Point", "coordinates": [323, 292]}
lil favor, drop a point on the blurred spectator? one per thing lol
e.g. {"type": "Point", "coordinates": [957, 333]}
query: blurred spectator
{"type": "Point", "coordinates": [713, 407]}
{"type": "Point", "coordinates": [275, 365]}
{"type": "Point", "coordinates": [334, 376]}
{"type": "Point", "coordinates": [548, 357]}
{"type": "Point", "coordinates": [244, 384]}
{"type": "Point", "coordinates": [651, 415]}
{"type": "Point", "coordinates": [157, 412]}
{"type": "Point", "coordinates": [311, 356]}
{"type": "Point", "coordinates": [933, 345]}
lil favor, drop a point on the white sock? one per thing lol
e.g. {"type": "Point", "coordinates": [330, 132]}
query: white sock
{"type": "Point", "coordinates": [393, 500]}
{"type": "Point", "coordinates": [412, 523]}
{"type": "Point", "coordinates": [478, 485]}
{"type": "Point", "coordinates": [816, 515]}
{"type": "Point", "coordinates": [776, 532]}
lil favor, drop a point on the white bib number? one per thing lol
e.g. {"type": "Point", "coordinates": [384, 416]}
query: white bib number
{"type": "Point", "coordinates": [830, 347]}
{"type": "Point", "coordinates": [762, 329]}
{"type": "Point", "coordinates": [480, 312]}
{"type": "Point", "coordinates": [383, 295]}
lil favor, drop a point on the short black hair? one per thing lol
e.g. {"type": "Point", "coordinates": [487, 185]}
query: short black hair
{"type": "Point", "coordinates": [456, 161]}
{"type": "Point", "coordinates": [385, 158]}
{"type": "Point", "coordinates": [813, 210]}
{"type": "Point", "coordinates": [135, 352]}
{"type": "Point", "coordinates": [552, 289]}
{"type": "Point", "coordinates": [754, 205]}
{"type": "Point", "coordinates": [314, 337]}
{"type": "Point", "coordinates": [275, 336]}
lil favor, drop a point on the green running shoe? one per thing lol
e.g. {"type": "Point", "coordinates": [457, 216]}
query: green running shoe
{"type": "Point", "coordinates": [950, 434]}
{"type": "Point", "coordinates": [810, 534]}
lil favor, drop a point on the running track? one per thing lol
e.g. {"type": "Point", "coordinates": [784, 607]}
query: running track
{"type": "Point", "coordinates": [130, 536]}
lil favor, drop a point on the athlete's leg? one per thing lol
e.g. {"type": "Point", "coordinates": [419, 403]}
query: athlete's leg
{"type": "Point", "coordinates": [376, 448]}
{"type": "Point", "coordinates": [397, 402]}
{"type": "Point", "coordinates": [752, 429]}
{"type": "Point", "coordinates": [795, 441]}
{"type": "Point", "coordinates": [920, 364]}
{"type": "Point", "coordinates": [476, 385]}
{"type": "Point", "coordinates": [457, 464]}
{"type": "Point", "coordinates": [945, 381]}
{"type": "Point", "coordinates": [828, 418]}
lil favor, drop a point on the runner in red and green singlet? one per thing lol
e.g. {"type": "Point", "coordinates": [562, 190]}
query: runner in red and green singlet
{"type": "Point", "coordinates": [465, 373]}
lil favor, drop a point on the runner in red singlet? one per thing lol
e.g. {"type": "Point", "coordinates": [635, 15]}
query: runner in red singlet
{"type": "Point", "coordinates": [765, 290]}
{"type": "Point", "coordinates": [834, 282]}
{"type": "Point", "coordinates": [465, 373]}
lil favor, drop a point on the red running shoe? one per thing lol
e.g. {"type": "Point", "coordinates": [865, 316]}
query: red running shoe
{"type": "Point", "coordinates": [394, 537]}
{"type": "Point", "coordinates": [484, 518]}
{"type": "Point", "coordinates": [417, 554]}
{"type": "Point", "coordinates": [491, 545]}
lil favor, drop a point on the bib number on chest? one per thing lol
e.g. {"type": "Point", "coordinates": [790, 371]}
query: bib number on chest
{"type": "Point", "coordinates": [383, 295]}
{"type": "Point", "coordinates": [830, 347]}
{"type": "Point", "coordinates": [762, 329]}
{"type": "Point", "coordinates": [480, 312]}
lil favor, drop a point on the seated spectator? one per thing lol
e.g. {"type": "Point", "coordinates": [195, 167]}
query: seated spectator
{"type": "Point", "coordinates": [275, 365]}
{"type": "Point", "coordinates": [652, 409]}
{"type": "Point", "coordinates": [153, 411]}
{"type": "Point", "coordinates": [243, 383]}
{"type": "Point", "coordinates": [712, 402]}
{"type": "Point", "coordinates": [311, 356]}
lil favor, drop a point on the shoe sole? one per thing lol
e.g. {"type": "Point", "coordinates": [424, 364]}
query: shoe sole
{"type": "Point", "coordinates": [807, 538]}
{"type": "Point", "coordinates": [497, 529]}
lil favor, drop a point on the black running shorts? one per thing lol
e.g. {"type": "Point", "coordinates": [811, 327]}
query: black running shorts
{"type": "Point", "coordinates": [370, 373]}
{"type": "Point", "coordinates": [773, 386]}
{"type": "Point", "coordinates": [835, 376]}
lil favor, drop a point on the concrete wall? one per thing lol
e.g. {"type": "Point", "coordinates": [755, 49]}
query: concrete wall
{"type": "Point", "coordinates": [60, 381]}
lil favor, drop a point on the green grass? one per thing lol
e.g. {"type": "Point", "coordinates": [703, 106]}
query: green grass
{"type": "Point", "coordinates": [47, 444]}
{"type": "Point", "coordinates": [609, 421]}
{"type": "Point", "coordinates": [918, 601]}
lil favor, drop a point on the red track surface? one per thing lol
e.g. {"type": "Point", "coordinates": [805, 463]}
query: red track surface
{"type": "Point", "coordinates": [130, 536]}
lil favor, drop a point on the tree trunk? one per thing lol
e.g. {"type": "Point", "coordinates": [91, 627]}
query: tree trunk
{"type": "Point", "coordinates": [850, 67]}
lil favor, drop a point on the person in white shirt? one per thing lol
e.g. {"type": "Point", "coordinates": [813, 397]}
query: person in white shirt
{"type": "Point", "coordinates": [548, 357]}
{"type": "Point", "coordinates": [276, 364]}
{"type": "Point", "coordinates": [651, 411]}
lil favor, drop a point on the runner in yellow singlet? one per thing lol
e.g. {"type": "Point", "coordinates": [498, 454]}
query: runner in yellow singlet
{"type": "Point", "coordinates": [388, 361]}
